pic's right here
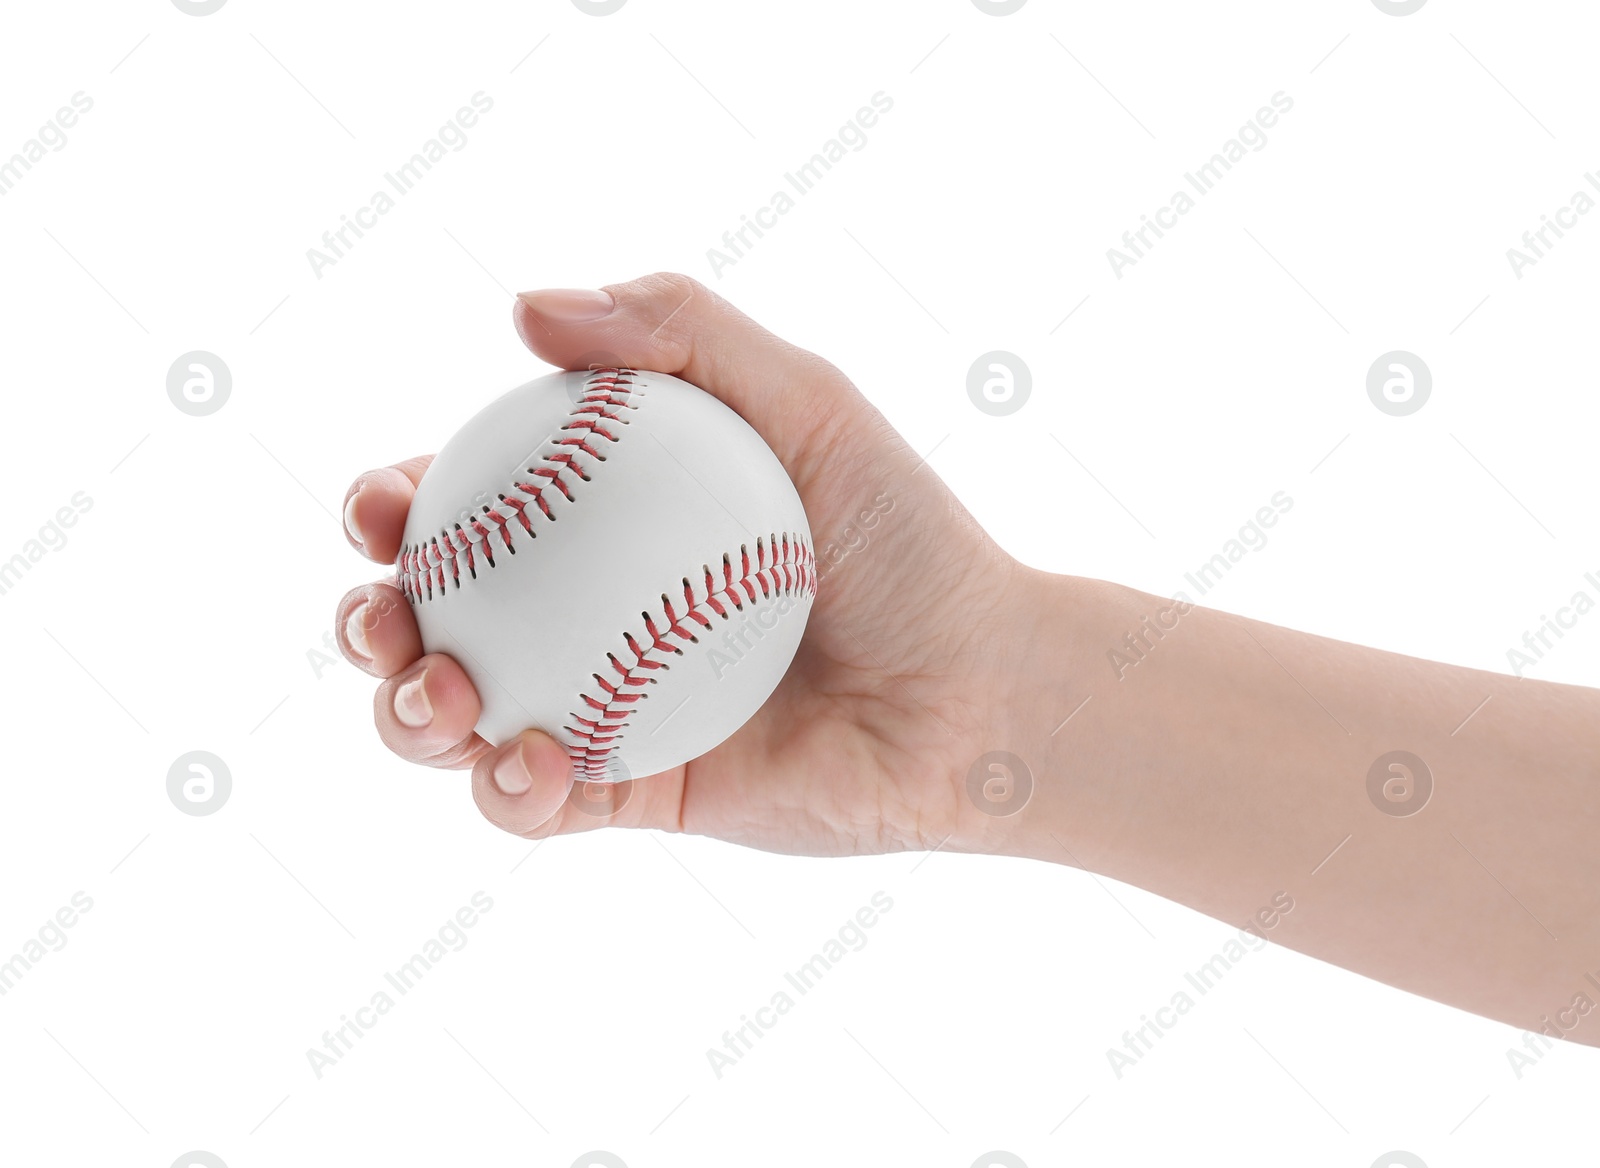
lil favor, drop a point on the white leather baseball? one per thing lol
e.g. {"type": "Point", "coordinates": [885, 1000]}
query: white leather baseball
{"type": "Point", "coordinates": [616, 558]}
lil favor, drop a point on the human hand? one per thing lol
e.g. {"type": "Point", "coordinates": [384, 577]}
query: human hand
{"type": "Point", "coordinates": [1202, 774]}
{"type": "Point", "coordinates": [911, 656]}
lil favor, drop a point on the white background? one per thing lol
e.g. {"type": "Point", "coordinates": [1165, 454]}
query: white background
{"type": "Point", "coordinates": [188, 607]}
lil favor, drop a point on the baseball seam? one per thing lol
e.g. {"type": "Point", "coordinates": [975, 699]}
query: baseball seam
{"type": "Point", "coordinates": [792, 571]}
{"type": "Point", "coordinates": [423, 568]}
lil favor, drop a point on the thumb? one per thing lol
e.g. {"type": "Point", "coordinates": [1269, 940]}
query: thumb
{"type": "Point", "coordinates": [673, 324]}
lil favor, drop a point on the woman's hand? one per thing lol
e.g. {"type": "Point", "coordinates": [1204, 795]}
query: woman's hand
{"type": "Point", "coordinates": [917, 641]}
{"type": "Point", "coordinates": [1228, 764]}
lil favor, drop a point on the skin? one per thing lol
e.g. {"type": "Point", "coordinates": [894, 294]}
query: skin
{"type": "Point", "coordinates": [1225, 766]}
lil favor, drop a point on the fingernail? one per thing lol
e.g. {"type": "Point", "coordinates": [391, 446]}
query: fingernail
{"type": "Point", "coordinates": [569, 305]}
{"type": "Point", "coordinates": [350, 524]}
{"type": "Point", "coordinates": [411, 704]}
{"type": "Point", "coordinates": [511, 772]}
{"type": "Point", "coordinates": [355, 632]}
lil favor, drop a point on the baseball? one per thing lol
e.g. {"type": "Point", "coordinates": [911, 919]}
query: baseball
{"type": "Point", "coordinates": [616, 558]}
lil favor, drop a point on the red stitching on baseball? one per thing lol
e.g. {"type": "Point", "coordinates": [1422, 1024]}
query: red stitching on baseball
{"type": "Point", "coordinates": [422, 568]}
{"type": "Point", "coordinates": [792, 570]}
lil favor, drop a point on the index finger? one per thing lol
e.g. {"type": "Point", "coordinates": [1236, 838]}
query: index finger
{"type": "Point", "coordinates": [376, 505]}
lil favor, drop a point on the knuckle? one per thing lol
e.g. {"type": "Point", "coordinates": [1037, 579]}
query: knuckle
{"type": "Point", "coordinates": [458, 756]}
{"type": "Point", "coordinates": [553, 824]}
{"type": "Point", "coordinates": [674, 282]}
{"type": "Point", "coordinates": [670, 289]}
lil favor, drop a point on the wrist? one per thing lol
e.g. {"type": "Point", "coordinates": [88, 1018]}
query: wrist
{"type": "Point", "coordinates": [1051, 739]}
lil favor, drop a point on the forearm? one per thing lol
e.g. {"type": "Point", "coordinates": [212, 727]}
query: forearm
{"type": "Point", "coordinates": [1223, 761]}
